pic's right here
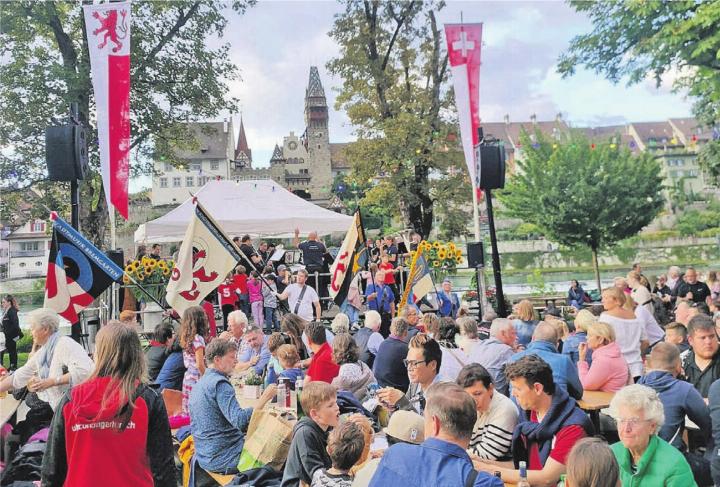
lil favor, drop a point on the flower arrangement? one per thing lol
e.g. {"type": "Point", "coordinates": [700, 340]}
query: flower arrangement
{"type": "Point", "coordinates": [440, 256]}
{"type": "Point", "coordinates": [151, 274]}
{"type": "Point", "coordinates": [252, 379]}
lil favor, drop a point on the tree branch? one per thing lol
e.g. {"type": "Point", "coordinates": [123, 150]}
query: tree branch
{"type": "Point", "coordinates": [399, 23]}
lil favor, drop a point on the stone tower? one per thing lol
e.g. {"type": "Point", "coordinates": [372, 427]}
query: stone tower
{"type": "Point", "coordinates": [243, 154]}
{"type": "Point", "coordinates": [317, 137]}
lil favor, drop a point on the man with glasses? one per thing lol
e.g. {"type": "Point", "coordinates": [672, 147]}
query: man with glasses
{"type": "Point", "coordinates": [423, 365]}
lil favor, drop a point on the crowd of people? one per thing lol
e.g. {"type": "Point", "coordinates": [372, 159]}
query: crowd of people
{"type": "Point", "coordinates": [458, 401]}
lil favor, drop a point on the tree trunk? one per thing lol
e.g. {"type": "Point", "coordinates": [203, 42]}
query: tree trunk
{"type": "Point", "coordinates": [596, 268]}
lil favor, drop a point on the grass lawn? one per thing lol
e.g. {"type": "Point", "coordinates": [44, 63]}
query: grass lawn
{"type": "Point", "coordinates": [22, 358]}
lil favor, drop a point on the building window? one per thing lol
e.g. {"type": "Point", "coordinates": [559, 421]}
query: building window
{"type": "Point", "coordinates": [195, 166]}
{"type": "Point", "coordinates": [163, 182]}
{"type": "Point", "coordinates": [318, 146]}
{"type": "Point", "coordinates": [190, 181]}
{"type": "Point", "coordinates": [693, 173]}
{"type": "Point", "coordinates": [168, 167]}
{"type": "Point", "coordinates": [38, 227]}
{"type": "Point", "coordinates": [177, 182]}
{"type": "Point", "coordinates": [38, 264]}
{"type": "Point", "coordinates": [29, 245]}
{"type": "Point", "coordinates": [215, 165]}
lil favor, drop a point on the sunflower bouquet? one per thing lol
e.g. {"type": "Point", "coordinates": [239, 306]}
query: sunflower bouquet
{"type": "Point", "coordinates": [151, 274]}
{"type": "Point", "coordinates": [442, 257]}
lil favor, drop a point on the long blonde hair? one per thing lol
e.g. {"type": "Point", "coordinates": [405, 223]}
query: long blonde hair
{"type": "Point", "coordinates": [525, 310]}
{"type": "Point", "coordinates": [118, 355]}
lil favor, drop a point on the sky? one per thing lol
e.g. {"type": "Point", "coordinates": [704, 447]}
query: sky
{"type": "Point", "coordinates": [275, 43]}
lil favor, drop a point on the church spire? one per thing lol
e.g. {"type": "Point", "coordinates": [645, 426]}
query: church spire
{"type": "Point", "coordinates": [315, 88]}
{"type": "Point", "coordinates": [242, 144]}
{"type": "Point", "coordinates": [316, 109]}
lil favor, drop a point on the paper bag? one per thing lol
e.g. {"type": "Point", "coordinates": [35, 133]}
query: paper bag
{"type": "Point", "coordinates": [267, 441]}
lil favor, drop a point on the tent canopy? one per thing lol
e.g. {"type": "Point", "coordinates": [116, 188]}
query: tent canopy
{"type": "Point", "coordinates": [257, 207]}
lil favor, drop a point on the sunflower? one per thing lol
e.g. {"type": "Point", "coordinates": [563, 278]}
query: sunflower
{"type": "Point", "coordinates": [442, 254]}
{"type": "Point", "coordinates": [436, 264]}
{"type": "Point", "coordinates": [166, 272]}
{"type": "Point", "coordinates": [458, 253]}
{"type": "Point", "coordinates": [148, 271]}
{"type": "Point", "coordinates": [140, 277]}
{"type": "Point", "coordinates": [451, 247]}
{"type": "Point", "coordinates": [144, 260]}
{"type": "Point", "coordinates": [151, 263]}
{"type": "Point", "coordinates": [458, 260]}
{"type": "Point", "coordinates": [129, 268]}
{"type": "Point", "coordinates": [436, 245]}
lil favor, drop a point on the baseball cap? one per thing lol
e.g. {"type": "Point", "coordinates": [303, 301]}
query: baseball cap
{"type": "Point", "coordinates": [406, 426]}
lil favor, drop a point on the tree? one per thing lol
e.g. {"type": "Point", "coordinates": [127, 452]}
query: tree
{"type": "Point", "coordinates": [394, 69]}
{"type": "Point", "coordinates": [583, 194]}
{"type": "Point", "coordinates": [637, 40]}
{"type": "Point", "coordinates": [175, 77]}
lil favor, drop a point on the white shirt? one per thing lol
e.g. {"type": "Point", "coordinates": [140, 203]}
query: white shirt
{"type": "Point", "coordinates": [653, 331]}
{"type": "Point", "coordinates": [305, 310]}
{"type": "Point", "coordinates": [628, 334]}
{"type": "Point", "coordinates": [68, 353]}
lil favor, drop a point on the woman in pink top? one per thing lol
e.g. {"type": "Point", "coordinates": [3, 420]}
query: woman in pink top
{"type": "Point", "coordinates": [609, 372]}
{"type": "Point", "coordinates": [254, 286]}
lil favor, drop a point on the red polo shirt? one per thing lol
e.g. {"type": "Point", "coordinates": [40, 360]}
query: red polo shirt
{"type": "Point", "coordinates": [322, 367]}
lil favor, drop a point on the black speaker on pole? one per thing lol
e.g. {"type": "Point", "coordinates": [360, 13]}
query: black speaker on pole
{"type": "Point", "coordinates": [66, 152]}
{"type": "Point", "coordinates": [492, 165]}
{"type": "Point", "coordinates": [117, 256]}
{"type": "Point", "coordinates": [475, 255]}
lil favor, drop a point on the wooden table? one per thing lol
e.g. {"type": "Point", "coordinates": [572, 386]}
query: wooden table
{"type": "Point", "coordinates": [592, 402]}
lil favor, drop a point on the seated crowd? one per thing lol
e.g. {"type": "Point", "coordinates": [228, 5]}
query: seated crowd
{"type": "Point", "coordinates": [459, 407]}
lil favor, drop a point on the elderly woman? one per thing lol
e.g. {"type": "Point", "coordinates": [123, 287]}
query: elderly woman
{"type": "Point", "coordinates": [368, 338]}
{"type": "Point", "coordinates": [56, 364]}
{"type": "Point", "coordinates": [645, 459]}
{"type": "Point", "coordinates": [570, 348]}
{"type": "Point", "coordinates": [354, 375]}
{"type": "Point", "coordinates": [340, 324]}
{"type": "Point", "coordinates": [525, 322]}
{"type": "Point", "coordinates": [468, 328]}
{"type": "Point", "coordinates": [609, 372]}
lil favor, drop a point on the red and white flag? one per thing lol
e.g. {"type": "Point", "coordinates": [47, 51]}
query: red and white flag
{"type": "Point", "coordinates": [463, 45]}
{"type": "Point", "coordinates": [108, 34]}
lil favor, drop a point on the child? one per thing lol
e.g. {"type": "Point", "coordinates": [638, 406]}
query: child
{"type": "Point", "coordinates": [289, 357]}
{"type": "Point", "coordinates": [275, 341]}
{"type": "Point", "coordinates": [228, 292]}
{"type": "Point", "coordinates": [308, 447]}
{"type": "Point", "coordinates": [240, 280]}
{"type": "Point", "coordinates": [193, 330]}
{"type": "Point", "coordinates": [270, 302]}
{"type": "Point", "coordinates": [345, 445]}
{"type": "Point", "coordinates": [254, 286]}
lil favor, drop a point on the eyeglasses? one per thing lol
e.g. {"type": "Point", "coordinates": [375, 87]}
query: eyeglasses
{"type": "Point", "coordinates": [632, 422]}
{"type": "Point", "coordinates": [413, 364]}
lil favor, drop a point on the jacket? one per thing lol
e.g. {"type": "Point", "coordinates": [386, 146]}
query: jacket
{"type": "Point", "coordinates": [609, 372]}
{"type": "Point", "coordinates": [701, 379]}
{"type": "Point", "coordinates": [86, 446]}
{"type": "Point", "coordinates": [218, 423]}
{"type": "Point", "coordinates": [11, 324]}
{"type": "Point", "coordinates": [361, 339]}
{"type": "Point", "coordinates": [564, 371]}
{"type": "Point", "coordinates": [155, 357]}
{"type": "Point", "coordinates": [661, 464]}
{"type": "Point", "coordinates": [713, 448]}
{"type": "Point", "coordinates": [571, 344]}
{"type": "Point", "coordinates": [679, 399]}
{"type": "Point", "coordinates": [433, 463]}
{"type": "Point", "coordinates": [524, 330]}
{"type": "Point", "coordinates": [307, 453]}
{"type": "Point", "coordinates": [388, 367]}
{"type": "Point", "coordinates": [354, 377]}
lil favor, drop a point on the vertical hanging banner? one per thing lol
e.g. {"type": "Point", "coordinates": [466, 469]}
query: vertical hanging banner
{"type": "Point", "coordinates": [108, 35]}
{"type": "Point", "coordinates": [463, 45]}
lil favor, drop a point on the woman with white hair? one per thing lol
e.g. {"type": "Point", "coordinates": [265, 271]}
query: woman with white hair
{"type": "Point", "coordinates": [340, 324]}
{"type": "Point", "coordinates": [56, 364]}
{"type": "Point", "coordinates": [368, 338]}
{"type": "Point", "coordinates": [644, 458]}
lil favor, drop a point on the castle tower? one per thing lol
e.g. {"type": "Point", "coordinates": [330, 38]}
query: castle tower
{"type": "Point", "coordinates": [317, 138]}
{"type": "Point", "coordinates": [243, 154]}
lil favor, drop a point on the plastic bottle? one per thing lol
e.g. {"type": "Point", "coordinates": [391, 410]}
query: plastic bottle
{"type": "Point", "coordinates": [298, 391]}
{"type": "Point", "coordinates": [523, 482]}
{"type": "Point", "coordinates": [281, 395]}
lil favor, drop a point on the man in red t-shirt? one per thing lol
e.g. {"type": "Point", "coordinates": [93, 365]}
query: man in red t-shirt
{"type": "Point", "coordinates": [552, 424]}
{"type": "Point", "coordinates": [322, 366]}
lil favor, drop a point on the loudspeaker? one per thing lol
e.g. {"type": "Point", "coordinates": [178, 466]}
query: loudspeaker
{"type": "Point", "coordinates": [117, 256]}
{"type": "Point", "coordinates": [66, 152]}
{"type": "Point", "coordinates": [492, 166]}
{"type": "Point", "coordinates": [475, 255]}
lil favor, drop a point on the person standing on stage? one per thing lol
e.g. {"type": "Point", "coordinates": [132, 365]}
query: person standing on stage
{"type": "Point", "coordinates": [313, 254]}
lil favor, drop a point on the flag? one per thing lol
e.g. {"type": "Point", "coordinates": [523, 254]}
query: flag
{"type": "Point", "coordinates": [108, 34]}
{"type": "Point", "coordinates": [420, 281]}
{"type": "Point", "coordinates": [205, 258]}
{"type": "Point", "coordinates": [463, 46]}
{"type": "Point", "coordinates": [78, 272]}
{"type": "Point", "coordinates": [350, 260]}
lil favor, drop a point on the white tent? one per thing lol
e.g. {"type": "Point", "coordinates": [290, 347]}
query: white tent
{"type": "Point", "coordinates": [257, 207]}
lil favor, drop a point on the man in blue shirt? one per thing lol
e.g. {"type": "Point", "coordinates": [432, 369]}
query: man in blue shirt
{"type": "Point", "coordinates": [448, 302]}
{"type": "Point", "coordinates": [442, 458]}
{"type": "Point", "coordinates": [256, 353]}
{"type": "Point", "coordinates": [217, 420]}
{"type": "Point", "coordinates": [380, 297]}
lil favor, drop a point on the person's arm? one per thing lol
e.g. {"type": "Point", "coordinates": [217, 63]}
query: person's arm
{"type": "Point", "coordinates": [159, 442]}
{"type": "Point", "coordinates": [76, 359]}
{"type": "Point", "coordinates": [318, 310]}
{"type": "Point", "coordinates": [54, 462]}
{"type": "Point", "coordinates": [296, 238]}
{"type": "Point", "coordinates": [592, 377]}
{"type": "Point", "coordinates": [547, 477]}
{"type": "Point", "coordinates": [263, 359]}
{"type": "Point", "coordinates": [698, 412]}
{"type": "Point", "coordinates": [497, 439]}
{"type": "Point", "coordinates": [200, 360]}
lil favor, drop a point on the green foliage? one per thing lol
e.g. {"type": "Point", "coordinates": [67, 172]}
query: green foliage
{"type": "Point", "coordinates": [637, 40]}
{"type": "Point", "coordinates": [693, 222]}
{"type": "Point", "coordinates": [538, 284]}
{"type": "Point", "coordinates": [176, 76]}
{"type": "Point", "coordinates": [580, 194]}
{"type": "Point", "coordinates": [394, 71]}
{"type": "Point", "coordinates": [25, 343]}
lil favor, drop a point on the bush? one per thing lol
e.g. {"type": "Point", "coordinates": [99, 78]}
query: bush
{"type": "Point", "coordinates": [25, 343]}
{"type": "Point", "coordinates": [692, 222]}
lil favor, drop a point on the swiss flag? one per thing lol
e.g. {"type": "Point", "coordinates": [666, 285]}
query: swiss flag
{"type": "Point", "coordinates": [108, 34]}
{"type": "Point", "coordinates": [463, 45]}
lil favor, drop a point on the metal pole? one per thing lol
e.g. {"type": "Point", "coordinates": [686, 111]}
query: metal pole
{"type": "Point", "coordinates": [476, 212]}
{"type": "Point", "coordinates": [75, 204]}
{"type": "Point", "coordinates": [480, 288]}
{"type": "Point", "coordinates": [502, 312]}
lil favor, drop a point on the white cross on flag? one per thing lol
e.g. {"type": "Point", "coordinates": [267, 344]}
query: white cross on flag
{"type": "Point", "coordinates": [108, 34]}
{"type": "Point", "coordinates": [463, 45]}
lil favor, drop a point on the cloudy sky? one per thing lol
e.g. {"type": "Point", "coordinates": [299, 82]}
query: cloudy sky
{"type": "Point", "coordinates": [275, 43]}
